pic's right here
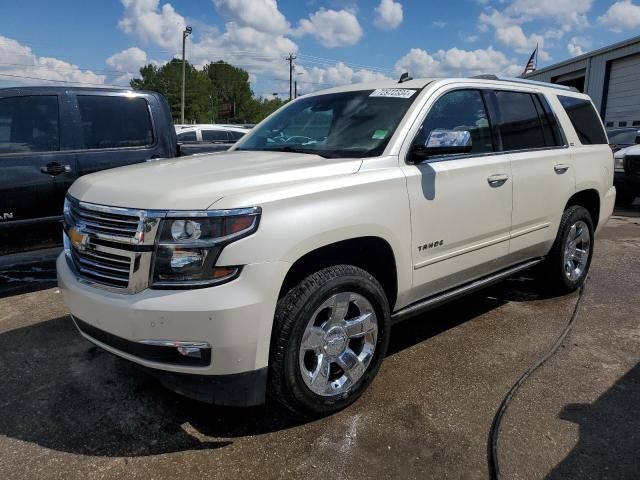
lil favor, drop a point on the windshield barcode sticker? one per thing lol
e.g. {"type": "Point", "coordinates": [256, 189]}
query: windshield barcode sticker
{"type": "Point", "coordinates": [393, 92]}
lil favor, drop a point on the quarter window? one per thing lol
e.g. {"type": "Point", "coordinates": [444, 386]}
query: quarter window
{"type": "Point", "coordinates": [29, 124]}
{"type": "Point", "coordinates": [459, 110]}
{"type": "Point", "coordinates": [114, 122]}
{"type": "Point", "coordinates": [520, 125]}
{"type": "Point", "coordinates": [584, 119]}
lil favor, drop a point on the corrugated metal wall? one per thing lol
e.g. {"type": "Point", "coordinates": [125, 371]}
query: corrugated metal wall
{"type": "Point", "coordinates": [597, 77]}
{"type": "Point", "coordinates": [623, 101]}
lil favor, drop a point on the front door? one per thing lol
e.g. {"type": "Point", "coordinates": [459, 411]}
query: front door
{"type": "Point", "coordinates": [34, 160]}
{"type": "Point", "coordinates": [460, 204]}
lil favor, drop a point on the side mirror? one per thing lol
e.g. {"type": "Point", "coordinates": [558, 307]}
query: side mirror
{"type": "Point", "coordinates": [443, 142]}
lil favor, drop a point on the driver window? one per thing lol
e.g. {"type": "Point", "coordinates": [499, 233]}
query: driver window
{"type": "Point", "coordinates": [459, 110]}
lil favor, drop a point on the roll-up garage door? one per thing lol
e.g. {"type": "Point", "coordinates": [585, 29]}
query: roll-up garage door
{"type": "Point", "coordinates": [623, 100]}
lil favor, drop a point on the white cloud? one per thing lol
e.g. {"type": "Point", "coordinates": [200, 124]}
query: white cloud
{"type": "Point", "coordinates": [439, 24]}
{"type": "Point", "coordinates": [388, 15]}
{"type": "Point", "coordinates": [508, 32]}
{"type": "Point", "coordinates": [257, 50]}
{"type": "Point", "coordinates": [315, 78]}
{"type": "Point", "coordinates": [454, 62]}
{"type": "Point", "coordinates": [471, 38]}
{"type": "Point", "coordinates": [624, 15]}
{"type": "Point", "coordinates": [332, 28]}
{"type": "Point", "coordinates": [18, 61]}
{"type": "Point", "coordinates": [564, 12]}
{"type": "Point", "coordinates": [159, 26]}
{"type": "Point", "coordinates": [128, 62]}
{"type": "Point", "coordinates": [263, 15]}
{"type": "Point", "coordinates": [578, 45]}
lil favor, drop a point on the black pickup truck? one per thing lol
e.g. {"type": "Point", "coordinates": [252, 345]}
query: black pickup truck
{"type": "Point", "coordinates": [49, 136]}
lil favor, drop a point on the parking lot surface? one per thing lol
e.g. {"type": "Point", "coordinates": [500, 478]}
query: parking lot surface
{"type": "Point", "coordinates": [69, 410]}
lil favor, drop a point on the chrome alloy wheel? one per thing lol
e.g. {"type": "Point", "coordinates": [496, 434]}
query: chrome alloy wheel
{"type": "Point", "coordinates": [338, 344]}
{"type": "Point", "coordinates": [576, 250]}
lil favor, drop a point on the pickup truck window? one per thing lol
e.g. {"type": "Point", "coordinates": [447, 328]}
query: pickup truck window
{"type": "Point", "coordinates": [115, 122]}
{"type": "Point", "coordinates": [584, 119]}
{"type": "Point", "coordinates": [336, 125]}
{"type": "Point", "coordinates": [459, 110]}
{"type": "Point", "coordinates": [29, 124]}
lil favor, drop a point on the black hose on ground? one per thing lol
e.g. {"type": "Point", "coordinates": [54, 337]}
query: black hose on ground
{"type": "Point", "coordinates": [492, 446]}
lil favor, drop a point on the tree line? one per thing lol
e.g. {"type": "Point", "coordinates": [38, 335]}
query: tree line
{"type": "Point", "coordinates": [217, 93]}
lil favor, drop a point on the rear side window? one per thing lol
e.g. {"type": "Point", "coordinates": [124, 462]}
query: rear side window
{"type": "Point", "coordinates": [29, 124]}
{"type": "Point", "coordinates": [214, 136]}
{"type": "Point", "coordinates": [236, 135]}
{"type": "Point", "coordinates": [520, 125]}
{"type": "Point", "coordinates": [187, 137]}
{"type": "Point", "coordinates": [114, 122]}
{"type": "Point", "coordinates": [584, 119]}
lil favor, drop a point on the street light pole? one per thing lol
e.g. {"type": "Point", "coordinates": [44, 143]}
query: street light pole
{"type": "Point", "coordinates": [187, 31]}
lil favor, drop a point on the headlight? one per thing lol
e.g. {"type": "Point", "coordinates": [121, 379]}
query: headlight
{"type": "Point", "coordinates": [189, 246]}
{"type": "Point", "coordinates": [618, 163]}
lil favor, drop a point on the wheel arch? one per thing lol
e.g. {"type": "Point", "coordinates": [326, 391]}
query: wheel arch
{"type": "Point", "coordinates": [589, 199]}
{"type": "Point", "coordinates": [373, 254]}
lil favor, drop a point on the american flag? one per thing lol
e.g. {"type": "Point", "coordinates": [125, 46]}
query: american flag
{"type": "Point", "coordinates": [531, 64]}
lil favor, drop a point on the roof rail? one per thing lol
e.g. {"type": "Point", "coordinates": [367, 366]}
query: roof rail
{"type": "Point", "coordinates": [525, 81]}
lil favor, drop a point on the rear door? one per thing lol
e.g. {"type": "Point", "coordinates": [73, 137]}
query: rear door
{"type": "Point", "coordinates": [114, 129]}
{"type": "Point", "coordinates": [543, 177]}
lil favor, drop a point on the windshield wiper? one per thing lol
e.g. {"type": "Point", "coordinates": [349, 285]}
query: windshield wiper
{"type": "Point", "coordinates": [288, 148]}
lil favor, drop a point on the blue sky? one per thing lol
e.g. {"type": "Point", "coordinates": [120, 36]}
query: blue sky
{"type": "Point", "coordinates": [336, 41]}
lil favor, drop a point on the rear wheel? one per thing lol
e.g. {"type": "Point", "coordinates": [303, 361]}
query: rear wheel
{"type": "Point", "coordinates": [330, 335]}
{"type": "Point", "coordinates": [568, 262]}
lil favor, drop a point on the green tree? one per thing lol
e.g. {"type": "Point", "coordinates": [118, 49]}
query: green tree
{"type": "Point", "coordinates": [167, 80]}
{"type": "Point", "coordinates": [219, 93]}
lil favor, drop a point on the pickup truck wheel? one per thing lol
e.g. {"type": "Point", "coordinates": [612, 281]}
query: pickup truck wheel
{"type": "Point", "coordinates": [331, 332]}
{"type": "Point", "coordinates": [570, 257]}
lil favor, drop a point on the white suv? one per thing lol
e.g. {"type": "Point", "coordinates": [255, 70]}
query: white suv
{"type": "Point", "coordinates": [279, 267]}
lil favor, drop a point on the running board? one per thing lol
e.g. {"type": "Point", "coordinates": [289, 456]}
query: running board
{"type": "Point", "coordinates": [431, 302]}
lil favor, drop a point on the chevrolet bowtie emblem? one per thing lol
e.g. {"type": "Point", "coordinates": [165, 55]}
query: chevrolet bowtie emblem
{"type": "Point", "coordinates": [78, 238]}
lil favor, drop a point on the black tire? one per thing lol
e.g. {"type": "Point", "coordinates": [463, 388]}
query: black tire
{"type": "Point", "coordinates": [554, 266]}
{"type": "Point", "coordinates": [294, 311]}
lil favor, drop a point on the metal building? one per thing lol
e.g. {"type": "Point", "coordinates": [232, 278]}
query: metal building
{"type": "Point", "coordinates": [610, 75]}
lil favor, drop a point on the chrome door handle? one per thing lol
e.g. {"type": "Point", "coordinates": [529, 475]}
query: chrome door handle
{"type": "Point", "coordinates": [498, 180]}
{"type": "Point", "coordinates": [561, 168]}
{"type": "Point", "coordinates": [55, 168]}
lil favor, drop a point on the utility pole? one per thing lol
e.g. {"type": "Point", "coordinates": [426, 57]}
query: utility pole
{"type": "Point", "coordinates": [187, 31]}
{"type": "Point", "coordinates": [295, 89]}
{"type": "Point", "coordinates": [290, 59]}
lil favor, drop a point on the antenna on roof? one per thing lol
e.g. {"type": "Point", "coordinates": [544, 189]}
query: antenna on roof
{"type": "Point", "coordinates": [404, 77]}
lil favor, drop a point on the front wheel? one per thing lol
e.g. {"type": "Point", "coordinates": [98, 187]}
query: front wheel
{"type": "Point", "coordinates": [331, 333]}
{"type": "Point", "coordinates": [570, 257]}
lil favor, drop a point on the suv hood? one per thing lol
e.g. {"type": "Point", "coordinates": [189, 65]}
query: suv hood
{"type": "Point", "coordinates": [195, 183]}
{"type": "Point", "coordinates": [632, 150]}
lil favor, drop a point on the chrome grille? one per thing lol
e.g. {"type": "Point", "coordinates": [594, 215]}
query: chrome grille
{"type": "Point", "coordinates": [101, 267]}
{"type": "Point", "coordinates": [110, 247]}
{"type": "Point", "coordinates": [102, 223]}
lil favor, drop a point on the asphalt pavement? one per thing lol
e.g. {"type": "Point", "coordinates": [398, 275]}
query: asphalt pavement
{"type": "Point", "coordinates": [69, 410]}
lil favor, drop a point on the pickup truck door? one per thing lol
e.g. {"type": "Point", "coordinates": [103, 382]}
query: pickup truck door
{"type": "Point", "coordinates": [37, 164]}
{"type": "Point", "coordinates": [460, 204]}
{"type": "Point", "coordinates": [119, 128]}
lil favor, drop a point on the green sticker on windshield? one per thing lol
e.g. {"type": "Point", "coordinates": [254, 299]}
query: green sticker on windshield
{"type": "Point", "coordinates": [379, 134]}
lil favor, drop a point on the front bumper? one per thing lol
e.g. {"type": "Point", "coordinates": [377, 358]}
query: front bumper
{"type": "Point", "coordinates": [234, 319]}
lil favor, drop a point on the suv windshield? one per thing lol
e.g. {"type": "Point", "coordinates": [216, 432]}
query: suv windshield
{"type": "Point", "coordinates": [336, 125]}
{"type": "Point", "coordinates": [623, 136]}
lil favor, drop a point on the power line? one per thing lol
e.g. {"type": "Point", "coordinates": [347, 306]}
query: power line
{"type": "Point", "coordinates": [62, 81]}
